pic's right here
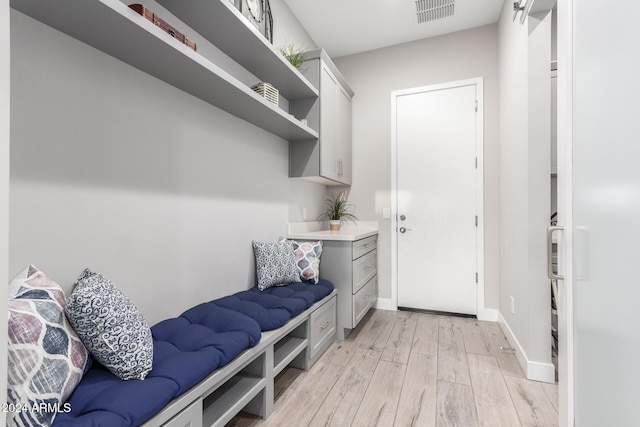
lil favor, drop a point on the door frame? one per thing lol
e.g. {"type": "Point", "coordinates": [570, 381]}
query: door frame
{"type": "Point", "coordinates": [566, 328]}
{"type": "Point", "coordinates": [478, 82]}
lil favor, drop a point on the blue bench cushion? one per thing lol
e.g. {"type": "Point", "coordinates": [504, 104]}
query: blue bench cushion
{"type": "Point", "coordinates": [273, 307]}
{"type": "Point", "coordinates": [269, 311]}
{"type": "Point", "coordinates": [186, 350]}
{"type": "Point", "coordinates": [312, 293]}
{"type": "Point", "coordinates": [102, 399]}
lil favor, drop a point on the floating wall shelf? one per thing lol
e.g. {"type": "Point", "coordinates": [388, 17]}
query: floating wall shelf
{"type": "Point", "coordinates": [110, 26]}
{"type": "Point", "coordinates": [218, 21]}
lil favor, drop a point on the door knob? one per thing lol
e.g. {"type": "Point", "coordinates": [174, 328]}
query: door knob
{"type": "Point", "coordinates": [404, 230]}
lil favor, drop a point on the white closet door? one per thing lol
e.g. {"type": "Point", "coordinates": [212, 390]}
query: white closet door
{"type": "Point", "coordinates": [606, 211]}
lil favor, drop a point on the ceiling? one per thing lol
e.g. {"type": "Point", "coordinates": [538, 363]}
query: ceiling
{"type": "Point", "coordinates": [344, 27]}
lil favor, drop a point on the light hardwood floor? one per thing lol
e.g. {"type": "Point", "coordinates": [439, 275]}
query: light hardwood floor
{"type": "Point", "coordinates": [412, 369]}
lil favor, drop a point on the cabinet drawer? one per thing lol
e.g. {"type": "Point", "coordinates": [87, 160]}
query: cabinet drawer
{"type": "Point", "coordinates": [323, 326]}
{"type": "Point", "coordinates": [364, 269]}
{"type": "Point", "coordinates": [364, 300]}
{"type": "Point", "coordinates": [361, 247]}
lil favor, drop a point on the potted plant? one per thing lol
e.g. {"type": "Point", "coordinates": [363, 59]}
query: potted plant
{"type": "Point", "coordinates": [294, 55]}
{"type": "Point", "coordinates": [337, 210]}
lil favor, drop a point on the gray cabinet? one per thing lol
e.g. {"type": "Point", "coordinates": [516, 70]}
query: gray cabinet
{"type": "Point", "coordinates": [322, 330]}
{"type": "Point", "coordinates": [328, 159]}
{"type": "Point", "coordinates": [352, 267]}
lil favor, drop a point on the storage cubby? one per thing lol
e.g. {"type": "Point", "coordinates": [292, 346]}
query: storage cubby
{"type": "Point", "coordinates": [234, 395]}
{"type": "Point", "coordinates": [288, 349]}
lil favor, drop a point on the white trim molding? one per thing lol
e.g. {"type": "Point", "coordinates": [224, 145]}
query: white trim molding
{"type": "Point", "coordinates": [536, 371]}
{"type": "Point", "coordinates": [489, 314]}
{"type": "Point", "coordinates": [386, 304]}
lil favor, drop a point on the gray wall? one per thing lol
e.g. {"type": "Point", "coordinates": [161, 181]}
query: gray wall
{"type": "Point", "coordinates": [525, 53]}
{"type": "Point", "coordinates": [117, 171]}
{"type": "Point", "coordinates": [373, 76]}
{"type": "Point", "coordinates": [287, 29]}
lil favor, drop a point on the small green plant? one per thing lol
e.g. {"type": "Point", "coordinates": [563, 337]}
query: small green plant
{"type": "Point", "coordinates": [337, 209]}
{"type": "Point", "coordinates": [296, 56]}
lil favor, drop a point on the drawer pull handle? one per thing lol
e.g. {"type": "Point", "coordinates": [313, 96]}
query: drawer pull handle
{"type": "Point", "coordinates": [328, 322]}
{"type": "Point", "coordinates": [367, 267]}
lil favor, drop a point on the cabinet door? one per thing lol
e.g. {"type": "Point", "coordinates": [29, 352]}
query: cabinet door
{"type": "Point", "coordinates": [329, 165]}
{"type": "Point", "coordinates": [343, 126]}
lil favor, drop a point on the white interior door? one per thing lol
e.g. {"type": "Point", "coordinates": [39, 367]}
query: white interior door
{"type": "Point", "coordinates": [436, 136]}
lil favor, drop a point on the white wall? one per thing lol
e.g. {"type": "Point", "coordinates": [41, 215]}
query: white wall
{"type": "Point", "coordinates": [4, 189]}
{"type": "Point", "coordinates": [117, 171]}
{"type": "Point", "coordinates": [373, 76]}
{"type": "Point", "coordinates": [524, 188]}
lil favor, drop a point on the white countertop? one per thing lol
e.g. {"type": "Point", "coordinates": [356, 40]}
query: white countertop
{"type": "Point", "coordinates": [348, 233]}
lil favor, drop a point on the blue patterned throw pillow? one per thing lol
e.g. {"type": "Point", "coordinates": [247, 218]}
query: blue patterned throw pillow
{"type": "Point", "coordinates": [275, 264]}
{"type": "Point", "coordinates": [110, 326]}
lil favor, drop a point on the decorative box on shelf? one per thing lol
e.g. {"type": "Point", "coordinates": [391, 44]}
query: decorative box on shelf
{"type": "Point", "coordinates": [267, 91]}
{"type": "Point", "coordinates": [166, 27]}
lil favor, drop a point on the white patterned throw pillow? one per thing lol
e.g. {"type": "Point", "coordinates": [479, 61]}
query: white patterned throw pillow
{"type": "Point", "coordinates": [308, 259]}
{"type": "Point", "coordinates": [110, 326]}
{"type": "Point", "coordinates": [275, 264]}
{"type": "Point", "coordinates": [307, 256]}
{"type": "Point", "coordinates": [46, 359]}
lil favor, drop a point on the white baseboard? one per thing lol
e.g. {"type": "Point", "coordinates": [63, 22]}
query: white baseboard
{"type": "Point", "coordinates": [489, 314]}
{"type": "Point", "coordinates": [536, 371]}
{"type": "Point", "coordinates": [386, 304]}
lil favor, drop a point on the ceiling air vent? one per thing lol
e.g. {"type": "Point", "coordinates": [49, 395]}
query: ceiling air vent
{"type": "Point", "coordinates": [430, 10]}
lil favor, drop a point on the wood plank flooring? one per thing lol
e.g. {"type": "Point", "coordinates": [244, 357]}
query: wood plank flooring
{"type": "Point", "coordinates": [412, 369]}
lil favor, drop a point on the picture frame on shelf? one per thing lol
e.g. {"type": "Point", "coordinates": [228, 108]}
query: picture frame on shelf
{"type": "Point", "coordinates": [258, 13]}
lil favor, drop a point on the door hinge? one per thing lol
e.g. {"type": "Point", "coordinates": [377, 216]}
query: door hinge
{"type": "Point", "coordinates": [476, 277]}
{"type": "Point", "coordinates": [476, 220]}
{"type": "Point", "coordinates": [476, 105]}
{"type": "Point", "coordinates": [476, 163]}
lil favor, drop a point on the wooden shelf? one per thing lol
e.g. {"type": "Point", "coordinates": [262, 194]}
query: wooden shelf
{"type": "Point", "coordinates": [110, 26]}
{"type": "Point", "coordinates": [224, 26]}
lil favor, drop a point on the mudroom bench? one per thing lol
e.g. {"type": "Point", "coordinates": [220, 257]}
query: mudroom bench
{"type": "Point", "coordinates": [247, 382]}
{"type": "Point", "coordinates": [212, 361]}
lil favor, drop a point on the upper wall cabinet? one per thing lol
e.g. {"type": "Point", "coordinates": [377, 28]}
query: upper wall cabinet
{"type": "Point", "coordinates": [327, 160]}
{"type": "Point", "coordinates": [112, 27]}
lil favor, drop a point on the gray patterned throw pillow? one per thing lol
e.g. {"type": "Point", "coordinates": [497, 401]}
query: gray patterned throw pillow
{"type": "Point", "coordinates": [275, 264]}
{"type": "Point", "coordinates": [110, 326]}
